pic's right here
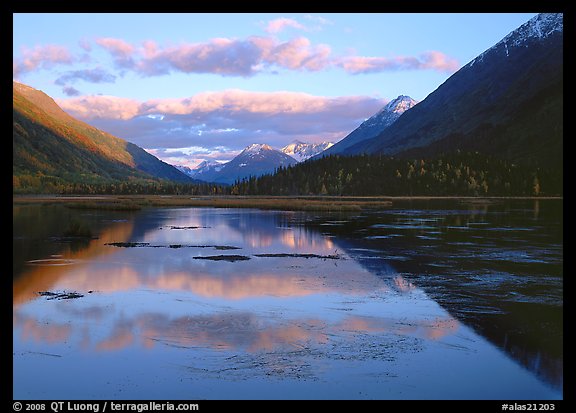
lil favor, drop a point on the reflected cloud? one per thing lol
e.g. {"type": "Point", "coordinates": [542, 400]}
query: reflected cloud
{"type": "Point", "coordinates": [244, 331]}
{"type": "Point", "coordinates": [232, 331]}
{"type": "Point", "coordinates": [432, 330]}
{"type": "Point", "coordinates": [33, 330]}
{"type": "Point", "coordinates": [121, 337]}
{"type": "Point", "coordinates": [246, 282]}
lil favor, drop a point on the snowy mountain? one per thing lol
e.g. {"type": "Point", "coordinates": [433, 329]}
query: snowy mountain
{"type": "Point", "coordinates": [254, 160]}
{"type": "Point", "coordinates": [507, 102]}
{"type": "Point", "coordinates": [185, 169]}
{"type": "Point", "coordinates": [535, 29]}
{"type": "Point", "coordinates": [302, 151]}
{"type": "Point", "coordinates": [205, 171]}
{"type": "Point", "coordinates": [375, 125]}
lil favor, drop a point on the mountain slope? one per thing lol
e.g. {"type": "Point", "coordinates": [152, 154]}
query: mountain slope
{"type": "Point", "coordinates": [205, 171]}
{"type": "Point", "coordinates": [255, 160]}
{"type": "Point", "coordinates": [375, 125]}
{"type": "Point", "coordinates": [48, 141]}
{"type": "Point", "coordinates": [302, 151]}
{"type": "Point", "coordinates": [507, 102]}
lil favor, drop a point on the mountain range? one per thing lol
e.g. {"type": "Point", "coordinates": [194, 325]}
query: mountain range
{"type": "Point", "coordinates": [507, 102]}
{"type": "Point", "coordinates": [49, 143]}
{"type": "Point", "coordinates": [254, 160]}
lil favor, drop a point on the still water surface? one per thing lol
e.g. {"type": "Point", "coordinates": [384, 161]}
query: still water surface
{"type": "Point", "coordinates": [421, 301]}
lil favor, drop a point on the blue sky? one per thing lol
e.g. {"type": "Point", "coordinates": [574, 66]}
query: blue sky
{"type": "Point", "coordinates": [190, 87]}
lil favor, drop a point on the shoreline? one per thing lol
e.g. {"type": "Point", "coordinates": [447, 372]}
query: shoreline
{"type": "Point", "coordinates": [295, 203]}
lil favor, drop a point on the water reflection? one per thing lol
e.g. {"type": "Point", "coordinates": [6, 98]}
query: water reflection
{"type": "Point", "coordinates": [282, 314]}
{"type": "Point", "coordinates": [497, 267]}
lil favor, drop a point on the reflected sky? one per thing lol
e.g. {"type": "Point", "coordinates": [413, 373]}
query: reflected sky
{"type": "Point", "coordinates": [271, 322]}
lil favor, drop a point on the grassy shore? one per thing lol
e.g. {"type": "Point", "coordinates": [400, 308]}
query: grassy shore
{"type": "Point", "coordinates": [304, 203]}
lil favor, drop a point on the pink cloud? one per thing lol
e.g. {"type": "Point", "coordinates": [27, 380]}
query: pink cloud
{"type": "Point", "coordinates": [94, 107]}
{"type": "Point", "coordinates": [439, 61]}
{"type": "Point", "coordinates": [121, 51]}
{"type": "Point", "coordinates": [429, 60]}
{"type": "Point", "coordinates": [41, 57]}
{"type": "Point", "coordinates": [229, 118]}
{"type": "Point", "coordinates": [277, 25]}
{"type": "Point", "coordinates": [229, 102]}
{"type": "Point", "coordinates": [85, 44]}
{"type": "Point", "coordinates": [299, 53]}
{"type": "Point", "coordinates": [220, 55]}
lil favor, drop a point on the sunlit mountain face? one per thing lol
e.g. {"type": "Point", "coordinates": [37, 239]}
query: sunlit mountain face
{"type": "Point", "coordinates": [48, 141]}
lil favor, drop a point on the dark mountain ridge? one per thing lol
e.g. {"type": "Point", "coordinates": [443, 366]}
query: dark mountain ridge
{"type": "Point", "coordinates": [507, 102]}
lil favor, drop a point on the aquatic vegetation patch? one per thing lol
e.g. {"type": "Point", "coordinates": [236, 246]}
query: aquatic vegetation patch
{"type": "Point", "coordinates": [173, 246]}
{"type": "Point", "coordinates": [50, 295]}
{"type": "Point", "coordinates": [293, 255]}
{"type": "Point", "coordinates": [229, 258]}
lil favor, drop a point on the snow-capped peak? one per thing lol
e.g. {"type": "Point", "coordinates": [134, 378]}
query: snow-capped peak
{"type": "Point", "coordinates": [257, 148]}
{"type": "Point", "coordinates": [539, 27]}
{"type": "Point", "coordinates": [399, 105]}
{"type": "Point", "coordinates": [388, 115]}
{"type": "Point", "coordinates": [302, 151]}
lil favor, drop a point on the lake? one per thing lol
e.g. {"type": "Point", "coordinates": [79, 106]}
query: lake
{"type": "Point", "coordinates": [422, 300]}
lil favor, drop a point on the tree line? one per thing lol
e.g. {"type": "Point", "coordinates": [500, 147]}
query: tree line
{"type": "Point", "coordinates": [44, 184]}
{"type": "Point", "coordinates": [457, 174]}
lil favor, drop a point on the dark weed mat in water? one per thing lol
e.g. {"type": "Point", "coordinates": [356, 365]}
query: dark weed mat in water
{"type": "Point", "coordinates": [128, 244]}
{"type": "Point", "coordinates": [285, 255]}
{"type": "Point", "coordinates": [190, 227]}
{"type": "Point", "coordinates": [147, 245]}
{"type": "Point", "coordinates": [59, 296]}
{"type": "Point", "coordinates": [229, 258]}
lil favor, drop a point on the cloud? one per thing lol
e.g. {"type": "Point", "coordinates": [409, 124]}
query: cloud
{"type": "Point", "coordinates": [121, 51]}
{"type": "Point", "coordinates": [41, 57]}
{"type": "Point", "coordinates": [432, 60]}
{"type": "Point", "coordinates": [278, 25]}
{"type": "Point", "coordinates": [70, 91]}
{"type": "Point", "coordinates": [250, 56]}
{"type": "Point", "coordinates": [85, 44]}
{"type": "Point", "coordinates": [233, 57]}
{"type": "Point", "coordinates": [108, 107]}
{"type": "Point", "coordinates": [298, 54]}
{"type": "Point", "coordinates": [224, 56]}
{"type": "Point", "coordinates": [318, 21]}
{"type": "Point", "coordinates": [229, 120]}
{"type": "Point", "coordinates": [192, 156]}
{"type": "Point", "coordinates": [97, 75]}
{"type": "Point", "coordinates": [225, 103]}
{"type": "Point", "coordinates": [221, 56]}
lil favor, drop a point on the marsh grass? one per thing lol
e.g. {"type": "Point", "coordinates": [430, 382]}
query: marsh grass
{"type": "Point", "coordinates": [107, 206]}
{"type": "Point", "coordinates": [137, 202]}
{"type": "Point", "coordinates": [77, 229]}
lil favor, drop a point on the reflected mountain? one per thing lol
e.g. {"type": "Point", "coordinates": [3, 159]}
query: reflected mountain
{"type": "Point", "coordinates": [495, 267]}
{"type": "Point", "coordinates": [285, 314]}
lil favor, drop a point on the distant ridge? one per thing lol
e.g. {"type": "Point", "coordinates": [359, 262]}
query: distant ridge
{"type": "Point", "coordinates": [255, 160]}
